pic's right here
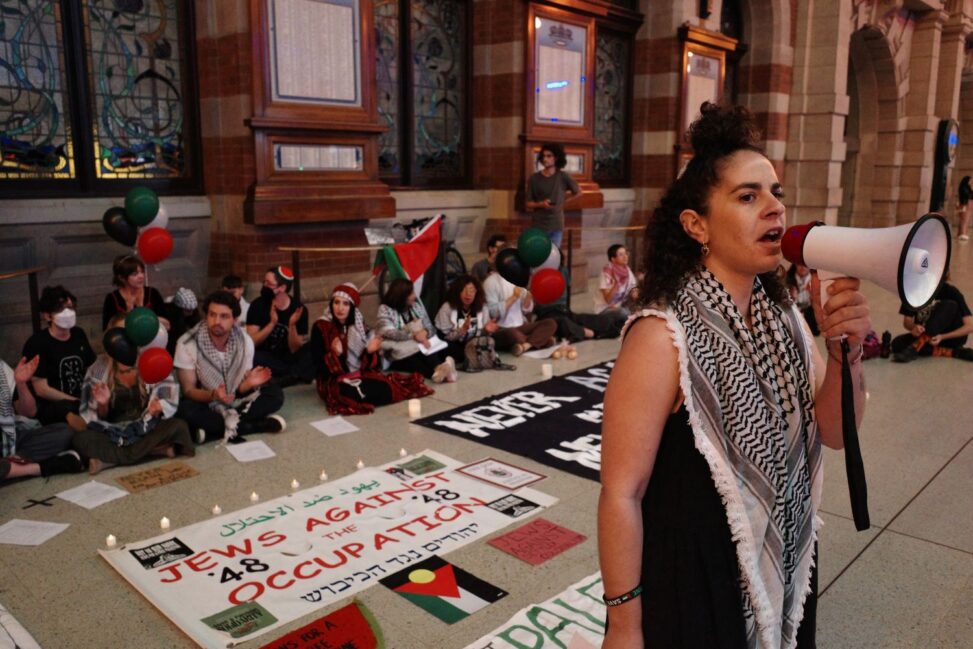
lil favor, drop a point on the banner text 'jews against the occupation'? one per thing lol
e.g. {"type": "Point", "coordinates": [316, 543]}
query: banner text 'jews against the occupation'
{"type": "Point", "coordinates": [242, 574]}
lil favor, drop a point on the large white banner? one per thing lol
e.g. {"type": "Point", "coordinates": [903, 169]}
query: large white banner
{"type": "Point", "coordinates": [574, 619]}
{"type": "Point", "coordinates": [236, 576]}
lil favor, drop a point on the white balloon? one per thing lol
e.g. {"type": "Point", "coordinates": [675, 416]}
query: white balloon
{"type": "Point", "coordinates": [161, 219]}
{"type": "Point", "coordinates": [161, 340]}
{"type": "Point", "coordinates": [553, 260]}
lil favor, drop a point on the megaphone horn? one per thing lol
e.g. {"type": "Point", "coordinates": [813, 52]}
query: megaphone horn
{"type": "Point", "coordinates": [909, 260]}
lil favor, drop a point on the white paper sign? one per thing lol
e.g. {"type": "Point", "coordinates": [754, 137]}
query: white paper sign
{"type": "Point", "coordinates": [506, 476]}
{"type": "Point", "coordinates": [21, 532]}
{"type": "Point", "coordinates": [250, 451]}
{"type": "Point", "coordinates": [233, 577]}
{"type": "Point", "coordinates": [334, 426]}
{"type": "Point", "coordinates": [92, 494]}
{"type": "Point", "coordinates": [12, 633]}
{"type": "Point", "coordinates": [574, 618]}
{"type": "Point", "coordinates": [435, 344]}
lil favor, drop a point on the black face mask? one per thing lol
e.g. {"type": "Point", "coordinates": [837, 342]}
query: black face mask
{"type": "Point", "coordinates": [267, 293]}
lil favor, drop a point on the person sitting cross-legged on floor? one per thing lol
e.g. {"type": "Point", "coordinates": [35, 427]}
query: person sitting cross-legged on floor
{"type": "Point", "coordinates": [405, 327]}
{"type": "Point", "coordinates": [508, 304]}
{"type": "Point", "coordinates": [223, 394]}
{"type": "Point", "coordinates": [123, 420]}
{"type": "Point", "coordinates": [350, 380]}
{"type": "Point", "coordinates": [277, 322]}
{"type": "Point", "coordinates": [939, 329]}
{"type": "Point", "coordinates": [465, 324]}
{"type": "Point", "coordinates": [29, 449]}
{"type": "Point", "coordinates": [65, 354]}
{"type": "Point", "coordinates": [618, 287]}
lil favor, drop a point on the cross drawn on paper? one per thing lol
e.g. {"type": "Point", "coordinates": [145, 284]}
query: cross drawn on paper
{"type": "Point", "coordinates": [43, 501]}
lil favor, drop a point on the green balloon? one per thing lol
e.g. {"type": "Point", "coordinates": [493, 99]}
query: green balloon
{"type": "Point", "coordinates": [141, 206]}
{"type": "Point", "coordinates": [534, 246]}
{"type": "Point", "coordinates": [141, 326]}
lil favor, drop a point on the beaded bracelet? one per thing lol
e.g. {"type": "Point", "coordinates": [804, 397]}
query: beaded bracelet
{"type": "Point", "coordinates": [621, 599]}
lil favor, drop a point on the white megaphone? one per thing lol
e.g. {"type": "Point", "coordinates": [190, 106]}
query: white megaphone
{"type": "Point", "coordinates": [908, 260]}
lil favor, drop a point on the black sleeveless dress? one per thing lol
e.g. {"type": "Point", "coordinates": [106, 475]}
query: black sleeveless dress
{"type": "Point", "coordinates": [690, 575]}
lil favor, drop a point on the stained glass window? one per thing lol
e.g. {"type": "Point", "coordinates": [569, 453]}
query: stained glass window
{"type": "Point", "coordinates": [387, 78]}
{"type": "Point", "coordinates": [439, 88]}
{"type": "Point", "coordinates": [422, 73]}
{"type": "Point", "coordinates": [133, 63]}
{"type": "Point", "coordinates": [611, 107]}
{"type": "Point", "coordinates": [35, 129]}
{"type": "Point", "coordinates": [126, 66]}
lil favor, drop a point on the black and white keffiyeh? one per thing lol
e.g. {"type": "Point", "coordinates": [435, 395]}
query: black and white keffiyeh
{"type": "Point", "coordinates": [214, 367]}
{"type": "Point", "coordinates": [8, 418]}
{"type": "Point", "coordinates": [750, 400]}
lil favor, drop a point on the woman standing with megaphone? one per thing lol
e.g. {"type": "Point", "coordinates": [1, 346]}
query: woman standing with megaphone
{"type": "Point", "coordinates": [715, 414]}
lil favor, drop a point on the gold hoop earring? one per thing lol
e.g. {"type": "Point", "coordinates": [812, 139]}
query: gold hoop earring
{"type": "Point", "coordinates": [705, 250]}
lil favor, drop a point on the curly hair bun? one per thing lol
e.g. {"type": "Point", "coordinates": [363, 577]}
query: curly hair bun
{"type": "Point", "coordinates": [722, 130]}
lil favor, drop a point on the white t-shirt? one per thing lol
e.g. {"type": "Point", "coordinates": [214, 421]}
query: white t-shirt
{"type": "Point", "coordinates": [497, 290]}
{"type": "Point", "coordinates": [244, 308]}
{"type": "Point", "coordinates": [621, 293]}
{"type": "Point", "coordinates": [186, 352]}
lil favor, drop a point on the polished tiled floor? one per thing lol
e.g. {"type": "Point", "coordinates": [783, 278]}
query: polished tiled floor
{"type": "Point", "coordinates": [905, 583]}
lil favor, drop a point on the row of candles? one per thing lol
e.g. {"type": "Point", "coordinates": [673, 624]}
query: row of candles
{"type": "Point", "coordinates": [111, 540]}
{"type": "Point", "coordinates": [415, 405]}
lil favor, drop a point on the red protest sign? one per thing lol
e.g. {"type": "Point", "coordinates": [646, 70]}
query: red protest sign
{"type": "Point", "coordinates": [352, 626]}
{"type": "Point", "coordinates": [537, 541]}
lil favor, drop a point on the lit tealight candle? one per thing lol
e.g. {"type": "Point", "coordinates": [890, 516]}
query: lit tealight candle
{"type": "Point", "coordinates": [323, 476]}
{"type": "Point", "coordinates": [360, 465]}
{"type": "Point", "coordinates": [547, 370]}
{"type": "Point", "coordinates": [295, 485]}
{"type": "Point", "coordinates": [403, 452]}
{"type": "Point", "coordinates": [164, 523]}
{"type": "Point", "coordinates": [110, 541]}
{"type": "Point", "coordinates": [254, 497]}
{"type": "Point", "coordinates": [217, 510]}
{"type": "Point", "coordinates": [415, 408]}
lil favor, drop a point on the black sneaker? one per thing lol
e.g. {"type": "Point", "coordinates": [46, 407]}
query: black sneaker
{"type": "Point", "coordinates": [63, 462]}
{"type": "Point", "coordinates": [963, 353]}
{"type": "Point", "coordinates": [907, 355]}
{"type": "Point", "coordinates": [271, 424]}
{"type": "Point", "coordinates": [886, 349]}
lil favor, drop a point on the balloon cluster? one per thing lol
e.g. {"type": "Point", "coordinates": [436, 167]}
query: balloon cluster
{"type": "Point", "coordinates": [142, 210]}
{"type": "Point", "coordinates": [535, 264]}
{"type": "Point", "coordinates": [142, 341]}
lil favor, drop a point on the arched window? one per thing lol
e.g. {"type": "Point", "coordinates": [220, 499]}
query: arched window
{"type": "Point", "coordinates": [612, 98]}
{"type": "Point", "coordinates": [423, 76]}
{"type": "Point", "coordinates": [97, 95]}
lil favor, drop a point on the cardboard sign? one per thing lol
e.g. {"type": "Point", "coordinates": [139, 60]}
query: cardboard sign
{"type": "Point", "coordinates": [156, 477]}
{"type": "Point", "coordinates": [353, 626]}
{"type": "Point", "coordinates": [537, 541]}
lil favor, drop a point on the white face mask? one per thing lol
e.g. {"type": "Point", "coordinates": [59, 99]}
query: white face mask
{"type": "Point", "coordinates": [66, 319]}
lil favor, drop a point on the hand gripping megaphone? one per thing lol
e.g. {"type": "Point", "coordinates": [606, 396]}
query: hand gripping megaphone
{"type": "Point", "coordinates": [908, 260]}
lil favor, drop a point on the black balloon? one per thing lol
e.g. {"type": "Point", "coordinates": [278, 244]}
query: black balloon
{"type": "Point", "coordinates": [118, 227]}
{"type": "Point", "coordinates": [512, 268]}
{"type": "Point", "coordinates": [118, 346]}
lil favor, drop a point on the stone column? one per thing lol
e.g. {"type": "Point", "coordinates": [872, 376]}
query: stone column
{"type": "Point", "coordinates": [818, 107]}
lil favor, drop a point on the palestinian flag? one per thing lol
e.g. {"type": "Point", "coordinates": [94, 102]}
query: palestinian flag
{"type": "Point", "coordinates": [411, 260]}
{"type": "Point", "coordinates": [443, 590]}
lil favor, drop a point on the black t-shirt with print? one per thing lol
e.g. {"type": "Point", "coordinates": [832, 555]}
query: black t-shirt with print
{"type": "Point", "coordinates": [945, 292]}
{"type": "Point", "coordinates": [62, 362]}
{"type": "Point", "coordinates": [276, 342]}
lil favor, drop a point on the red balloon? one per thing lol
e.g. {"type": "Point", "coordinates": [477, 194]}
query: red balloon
{"type": "Point", "coordinates": [547, 285]}
{"type": "Point", "coordinates": [154, 365]}
{"type": "Point", "coordinates": [155, 245]}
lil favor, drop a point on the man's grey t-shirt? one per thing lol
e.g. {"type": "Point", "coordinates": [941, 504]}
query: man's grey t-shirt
{"type": "Point", "coordinates": [553, 188]}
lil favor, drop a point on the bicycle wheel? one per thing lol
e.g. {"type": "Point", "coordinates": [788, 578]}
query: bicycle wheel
{"type": "Point", "coordinates": [455, 265]}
